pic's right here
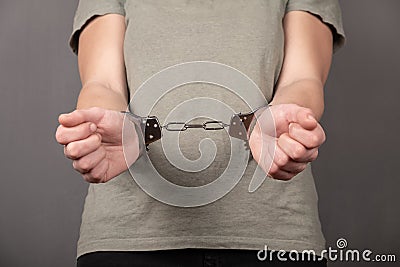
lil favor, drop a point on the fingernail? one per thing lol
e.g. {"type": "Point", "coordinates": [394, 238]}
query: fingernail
{"type": "Point", "coordinates": [62, 117]}
{"type": "Point", "coordinates": [93, 127]}
{"type": "Point", "coordinates": [310, 117]}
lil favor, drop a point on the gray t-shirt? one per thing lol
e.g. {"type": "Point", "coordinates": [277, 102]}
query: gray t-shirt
{"type": "Point", "coordinates": [248, 36]}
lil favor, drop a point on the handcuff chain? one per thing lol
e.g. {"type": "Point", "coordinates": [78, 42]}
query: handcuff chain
{"type": "Point", "coordinates": [211, 125]}
{"type": "Point", "coordinates": [182, 126]}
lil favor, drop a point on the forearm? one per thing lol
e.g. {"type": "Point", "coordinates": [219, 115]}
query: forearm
{"type": "Point", "coordinates": [306, 93]}
{"type": "Point", "coordinates": [101, 64]}
{"type": "Point", "coordinates": [307, 60]}
{"type": "Point", "coordinates": [99, 95]}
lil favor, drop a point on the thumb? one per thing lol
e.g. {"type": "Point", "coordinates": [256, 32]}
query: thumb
{"type": "Point", "coordinates": [80, 116]}
{"type": "Point", "coordinates": [303, 116]}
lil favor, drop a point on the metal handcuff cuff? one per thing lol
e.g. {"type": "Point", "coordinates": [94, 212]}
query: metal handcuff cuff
{"type": "Point", "coordinates": [239, 126]}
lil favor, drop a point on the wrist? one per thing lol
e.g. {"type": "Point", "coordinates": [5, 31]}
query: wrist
{"type": "Point", "coordinates": [95, 95]}
{"type": "Point", "coordinates": [307, 93]}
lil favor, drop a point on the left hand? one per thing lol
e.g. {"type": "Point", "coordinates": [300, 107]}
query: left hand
{"type": "Point", "coordinates": [298, 137]}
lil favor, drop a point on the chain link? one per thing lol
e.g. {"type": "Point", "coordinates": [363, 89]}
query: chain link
{"type": "Point", "coordinates": [207, 125]}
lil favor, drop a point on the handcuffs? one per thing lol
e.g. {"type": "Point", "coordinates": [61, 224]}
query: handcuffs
{"type": "Point", "coordinates": [239, 126]}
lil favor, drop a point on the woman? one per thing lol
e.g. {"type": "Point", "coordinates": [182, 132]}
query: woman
{"type": "Point", "coordinates": [285, 47]}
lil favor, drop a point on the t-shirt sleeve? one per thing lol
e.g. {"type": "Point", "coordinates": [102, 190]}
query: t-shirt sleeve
{"type": "Point", "coordinates": [328, 11]}
{"type": "Point", "coordinates": [87, 10]}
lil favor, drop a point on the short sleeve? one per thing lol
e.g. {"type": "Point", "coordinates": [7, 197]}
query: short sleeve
{"type": "Point", "coordinates": [88, 9]}
{"type": "Point", "coordinates": [328, 11]}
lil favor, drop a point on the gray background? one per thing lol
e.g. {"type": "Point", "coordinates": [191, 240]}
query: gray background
{"type": "Point", "coordinates": [41, 197]}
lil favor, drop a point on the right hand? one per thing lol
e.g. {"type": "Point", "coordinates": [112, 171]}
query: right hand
{"type": "Point", "coordinates": [92, 139]}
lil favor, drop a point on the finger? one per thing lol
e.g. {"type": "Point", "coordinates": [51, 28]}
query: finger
{"type": "Point", "coordinates": [263, 153]}
{"type": "Point", "coordinates": [65, 135]}
{"type": "Point", "coordinates": [88, 162]}
{"type": "Point", "coordinates": [301, 115]}
{"type": "Point", "coordinates": [285, 163]}
{"type": "Point", "coordinates": [80, 116]}
{"type": "Point", "coordinates": [98, 174]}
{"type": "Point", "coordinates": [81, 148]}
{"type": "Point", "coordinates": [276, 173]}
{"type": "Point", "coordinates": [295, 150]}
{"type": "Point", "coordinates": [309, 138]}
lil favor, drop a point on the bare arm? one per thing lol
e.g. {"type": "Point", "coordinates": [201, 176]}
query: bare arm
{"type": "Point", "coordinates": [92, 134]}
{"type": "Point", "coordinates": [298, 101]}
{"type": "Point", "coordinates": [308, 53]}
{"type": "Point", "coordinates": [101, 64]}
